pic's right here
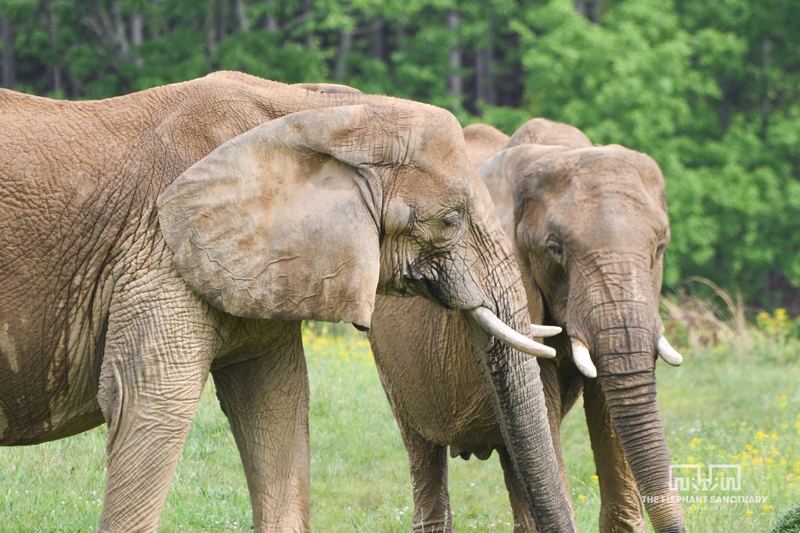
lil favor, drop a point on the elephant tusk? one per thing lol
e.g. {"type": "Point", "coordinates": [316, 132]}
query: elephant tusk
{"type": "Point", "coordinates": [544, 331]}
{"type": "Point", "coordinates": [668, 353]}
{"type": "Point", "coordinates": [497, 329]}
{"type": "Point", "coordinates": [580, 353]}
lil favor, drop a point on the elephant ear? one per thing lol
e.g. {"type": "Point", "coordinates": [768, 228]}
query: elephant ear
{"type": "Point", "coordinates": [281, 222]}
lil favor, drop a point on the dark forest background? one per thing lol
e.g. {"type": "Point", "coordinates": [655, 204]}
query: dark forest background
{"type": "Point", "coordinates": [710, 89]}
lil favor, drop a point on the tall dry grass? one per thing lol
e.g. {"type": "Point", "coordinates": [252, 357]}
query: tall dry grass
{"type": "Point", "coordinates": [700, 315]}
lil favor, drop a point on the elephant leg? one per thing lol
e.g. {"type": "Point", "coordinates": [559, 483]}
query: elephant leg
{"type": "Point", "coordinates": [523, 521]}
{"type": "Point", "coordinates": [149, 388]}
{"type": "Point", "coordinates": [554, 398]}
{"type": "Point", "coordinates": [620, 502]}
{"type": "Point", "coordinates": [266, 401]}
{"type": "Point", "coordinates": [428, 463]}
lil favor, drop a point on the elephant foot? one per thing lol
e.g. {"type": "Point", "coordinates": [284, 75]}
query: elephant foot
{"type": "Point", "coordinates": [443, 526]}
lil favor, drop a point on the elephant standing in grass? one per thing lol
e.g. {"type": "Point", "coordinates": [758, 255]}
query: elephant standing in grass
{"type": "Point", "coordinates": [152, 239]}
{"type": "Point", "coordinates": [589, 228]}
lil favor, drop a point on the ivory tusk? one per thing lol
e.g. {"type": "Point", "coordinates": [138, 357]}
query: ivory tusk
{"type": "Point", "coordinates": [544, 331]}
{"type": "Point", "coordinates": [497, 329]}
{"type": "Point", "coordinates": [580, 353]}
{"type": "Point", "coordinates": [668, 353]}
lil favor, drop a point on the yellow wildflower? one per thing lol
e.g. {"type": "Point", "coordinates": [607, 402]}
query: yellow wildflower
{"type": "Point", "coordinates": [581, 496]}
{"type": "Point", "coordinates": [767, 507]}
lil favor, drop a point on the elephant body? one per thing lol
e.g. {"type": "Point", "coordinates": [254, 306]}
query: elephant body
{"type": "Point", "coordinates": [548, 182]}
{"type": "Point", "coordinates": [153, 239]}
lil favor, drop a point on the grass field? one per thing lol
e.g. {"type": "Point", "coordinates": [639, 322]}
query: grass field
{"type": "Point", "coordinates": [733, 402]}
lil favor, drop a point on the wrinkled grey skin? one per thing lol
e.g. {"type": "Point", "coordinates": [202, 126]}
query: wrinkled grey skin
{"type": "Point", "coordinates": [152, 239]}
{"type": "Point", "coordinates": [589, 228]}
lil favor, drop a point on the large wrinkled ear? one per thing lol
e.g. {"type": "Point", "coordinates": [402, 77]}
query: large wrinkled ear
{"type": "Point", "coordinates": [282, 221]}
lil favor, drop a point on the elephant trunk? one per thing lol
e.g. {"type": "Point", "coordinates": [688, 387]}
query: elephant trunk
{"type": "Point", "coordinates": [518, 399]}
{"type": "Point", "coordinates": [625, 350]}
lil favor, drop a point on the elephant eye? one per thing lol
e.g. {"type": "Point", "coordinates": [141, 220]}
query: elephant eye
{"type": "Point", "coordinates": [555, 248]}
{"type": "Point", "coordinates": [452, 219]}
{"type": "Point", "coordinates": [660, 249]}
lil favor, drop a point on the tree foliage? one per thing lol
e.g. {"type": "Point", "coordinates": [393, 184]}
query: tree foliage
{"type": "Point", "coordinates": [710, 89]}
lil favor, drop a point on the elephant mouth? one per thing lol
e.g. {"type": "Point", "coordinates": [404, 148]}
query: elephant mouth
{"type": "Point", "coordinates": [507, 335]}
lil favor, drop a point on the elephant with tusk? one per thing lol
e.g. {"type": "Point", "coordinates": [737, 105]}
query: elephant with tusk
{"type": "Point", "coordinates": [589, 228]}
{"type": "Point", "coordinates": [153, 239]}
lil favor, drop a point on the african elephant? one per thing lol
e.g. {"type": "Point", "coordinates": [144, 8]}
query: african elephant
{"type": "Point", "coordinates": [589, 228]}
{"type": "Point", "coordinates": [151, 239]}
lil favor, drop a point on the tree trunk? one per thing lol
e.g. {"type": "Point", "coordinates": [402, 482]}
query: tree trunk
{"type": "Point", "coordinates": [766, 52]}
{"type": "Point", "coordinates": [9, 68]}
{"type": "Point", "coordinates": [219, 21]}
{"type": "Point", "coordinates": [378, 36]}
{"type": "Point", "coordinates": [454, 85]}
{"type": "Point", "coordinates": [58, 83]}
{"type": "Point", "coordinates": [400, 36]}
{"type": "Point", "coordinates": [484, 81]}
{"type": "Point", "coordinates": [345, 45]}
{"type": "Point", "coordinates": [591, 10]}
{"type": "Point", "coordinates": [307, 14]}
{"type": "Point", "coordinates": [597, 11]}
{"type": "Point", "coordinates": [240, 22]}
{"type": "Point", "coordinates": [271, 20]}
{"type": "Point", "coordinates": [155, 32]}
{"type": "Point", "coordinates": [137, 37]}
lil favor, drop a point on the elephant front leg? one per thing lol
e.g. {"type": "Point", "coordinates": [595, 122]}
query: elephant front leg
{"type": "Point", "coordinates": [523, 521]}
{"type": "Point", "coordinates": [620, 502]}
{"type": "Point", "coordinates": [150, 386]}
{"type": "Point", "coordinates": [428, 463]}
{"type": "Point", "coordinates": [266, 401]}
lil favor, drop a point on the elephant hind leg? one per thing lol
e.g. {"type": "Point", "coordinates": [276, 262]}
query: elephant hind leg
{"type": "Point", "coordinates": [265, 398]}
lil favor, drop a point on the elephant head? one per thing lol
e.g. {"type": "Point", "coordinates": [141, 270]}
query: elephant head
{"type": "Point", "coordinates": [310, 215]}
{"type": "Point", "coordinates": [589, 224]}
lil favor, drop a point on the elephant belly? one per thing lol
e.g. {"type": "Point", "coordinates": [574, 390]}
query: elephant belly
{"type": "Point", "coordinates": [431, 374]}
{"type": "Point", "coordinates": [48, 375]}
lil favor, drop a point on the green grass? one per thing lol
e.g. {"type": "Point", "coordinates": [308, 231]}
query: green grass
{"type": "Point", "coordinates": [724, 405]}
